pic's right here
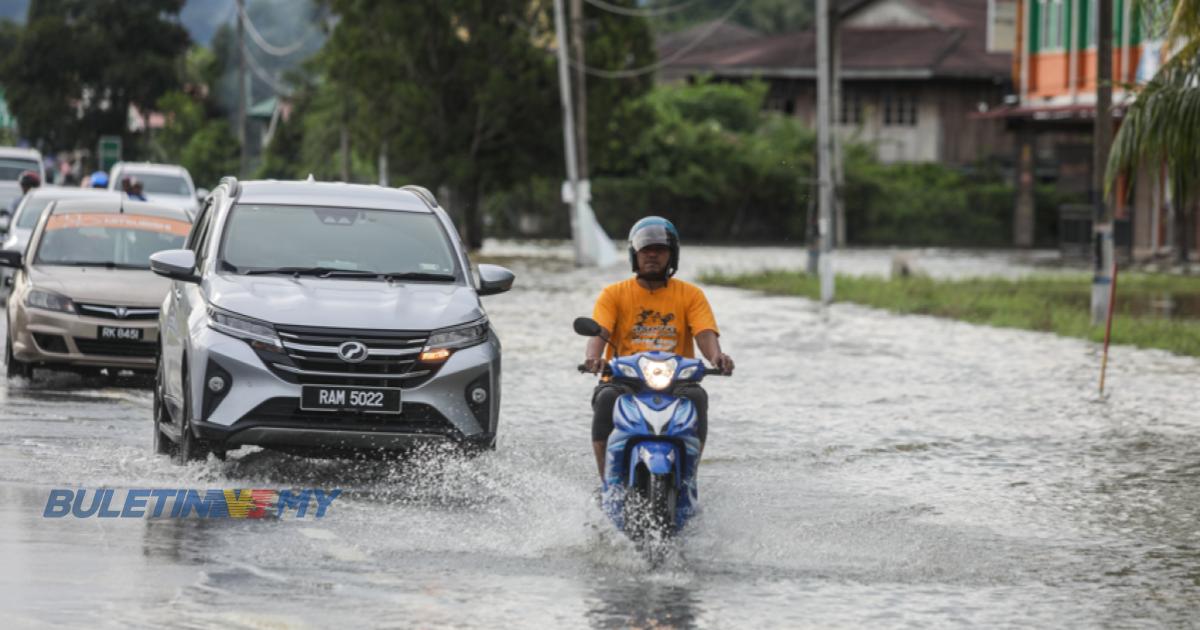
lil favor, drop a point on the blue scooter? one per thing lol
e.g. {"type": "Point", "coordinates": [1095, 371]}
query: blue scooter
{"type": "Point", "coordinates": [653, 450]}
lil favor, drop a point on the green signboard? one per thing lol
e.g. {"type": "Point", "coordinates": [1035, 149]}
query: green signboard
{"type": "Point", "coordinates": [109, 152]}
{"type": "Point", "coordinates": [6, 119]}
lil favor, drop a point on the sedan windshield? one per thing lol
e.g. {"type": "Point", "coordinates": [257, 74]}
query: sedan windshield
{"type": "Point", "coordinates": [31, 211]}
{"type": "Point", "coordinates": [108, 239]}
{"type": "Point", "coordinates": [342, 242]}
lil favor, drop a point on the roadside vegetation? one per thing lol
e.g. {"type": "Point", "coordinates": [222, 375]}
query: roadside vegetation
{"type": "Point", "coordinates": [1057, 304]}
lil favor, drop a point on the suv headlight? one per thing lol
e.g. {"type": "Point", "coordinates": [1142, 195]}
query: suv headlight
{"type": "Point", "coordinates": [442, 343]}
{"type": "Point", "coordinates": [258, 334]}
{"type": "Point", "coordinates": [46, 300]}
{"type": "Point", "coordinates": [657, 374]}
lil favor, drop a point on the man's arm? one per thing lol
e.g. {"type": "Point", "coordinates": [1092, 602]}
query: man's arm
{"type": "Point", "coordinates": [593, 357]}
{"type": "Point", "coordinates": [710, 347]}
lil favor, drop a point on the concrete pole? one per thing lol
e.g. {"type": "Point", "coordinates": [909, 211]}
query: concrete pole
{"type": "Point", "coordinates": [577, 51]}
{"type": "Point", "coordinates": [564, 91]}
{"type": "Point", "coordinates": [383, 164]}
{"type": "Point", "coordinates": [1073, 43]}
{"type": "Point", "coordinates": [839, 180]}
{"type": "Point", "coordinates": [244, 156]}
{"type": "Point", "coordinates": [1102, 140]}
{"type": "Point", "coordinates": [825, 151]}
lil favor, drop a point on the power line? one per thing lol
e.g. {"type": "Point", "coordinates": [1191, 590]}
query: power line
{"type": "Point", "coordinates": [264, 76]}
{"type": "Point", "coordinates": [658, 65]}
{"type": "Point", "coordinates": [620, 10]}
{"type": "Point", "coordinates": [267, 47]}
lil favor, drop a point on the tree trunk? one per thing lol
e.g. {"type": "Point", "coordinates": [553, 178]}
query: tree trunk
{"type": "Point", "coordinates": [473, 215]}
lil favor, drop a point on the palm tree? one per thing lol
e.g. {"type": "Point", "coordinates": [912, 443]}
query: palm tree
{"type": "Point", "coordinates": [1162, 126]}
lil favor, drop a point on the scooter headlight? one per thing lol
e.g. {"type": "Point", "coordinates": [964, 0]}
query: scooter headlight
{"type": "Point", "coordinates": [657, 374]}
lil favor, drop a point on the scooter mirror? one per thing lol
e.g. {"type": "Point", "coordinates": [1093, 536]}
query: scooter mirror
{"type": "Point", "coordinates": [587, 327]}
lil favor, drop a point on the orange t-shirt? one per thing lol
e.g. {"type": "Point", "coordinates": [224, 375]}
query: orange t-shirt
{"type": "Point", "coordinates": [665, 319]}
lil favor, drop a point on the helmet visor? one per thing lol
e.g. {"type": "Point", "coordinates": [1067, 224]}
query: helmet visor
{"type": "Point", "coordinates": [649, 235]}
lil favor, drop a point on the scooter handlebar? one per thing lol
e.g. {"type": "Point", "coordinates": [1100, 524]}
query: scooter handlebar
{"type": "Point", "coordinates": [607, 371]}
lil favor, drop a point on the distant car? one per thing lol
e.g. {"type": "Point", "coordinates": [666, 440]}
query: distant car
{"type": "Point", "coordinates": [9, 192]}
{"type": "Point", "coordinates": [17, 160]}
{"type": "Point", "coordinates": [83, 297]}
{"type": "Point", "coordinates": [26, 219]}
{"type": "Point", "coordinates": [161, 183]}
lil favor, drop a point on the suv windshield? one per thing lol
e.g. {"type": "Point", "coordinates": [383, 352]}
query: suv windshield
{"type": "Point", "coordinates": [289, 239]}
{"type": "Point", "coordinates": [161, 184]}
{"type": "Point", "coordinates": [108, 239]}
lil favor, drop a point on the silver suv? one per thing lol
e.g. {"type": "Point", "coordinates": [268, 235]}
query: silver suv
{"type": "Point", "coordinates": [310, 316]}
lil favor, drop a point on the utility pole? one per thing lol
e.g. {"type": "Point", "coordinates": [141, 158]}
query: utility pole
{"type": "Point", "coordinates": [824, 151]}
{"type": "Point", "coordinates": [564, 91]}
{"type": "Point", "coordinates": [1102, 241]}
{"type": "Point", "coordinates": [577, 37]}
{"type": "Point", "coordinates": [244, 157]}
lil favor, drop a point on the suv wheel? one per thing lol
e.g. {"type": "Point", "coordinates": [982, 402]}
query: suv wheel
{"type": "Point", "coordinates": [190, 448]}
{"type": "Point", "coordinates": [14, 366]}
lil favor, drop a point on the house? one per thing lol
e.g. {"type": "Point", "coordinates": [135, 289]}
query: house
{"type": "Point", "coordinates": [912, 73]}
{"type": "Point", "coordinates": [1054, 72]}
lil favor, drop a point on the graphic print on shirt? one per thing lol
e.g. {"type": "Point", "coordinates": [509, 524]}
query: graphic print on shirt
{"type": "Point", "coordinates": [653, 331]}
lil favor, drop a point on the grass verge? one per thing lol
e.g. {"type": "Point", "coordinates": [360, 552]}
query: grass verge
{"type": "Point", "coordinates": [1058, 304]}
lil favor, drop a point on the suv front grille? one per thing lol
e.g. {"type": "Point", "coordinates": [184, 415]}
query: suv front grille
{"type": "Point", "coordinates": [117, 312]}
{"type": "Point", "coordinates": [312, 357]}
{"type": "Point", "coordinates": [286, 412]}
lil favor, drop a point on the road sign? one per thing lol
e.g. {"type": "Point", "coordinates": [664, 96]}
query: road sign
{"type": "Point", "coordinates": [108, 152]}
{"type": "Point", "coordinates": [6, 118]}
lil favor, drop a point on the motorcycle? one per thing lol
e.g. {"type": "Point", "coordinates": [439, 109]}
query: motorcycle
{"type": "Point", "coordinates": [654, 449]}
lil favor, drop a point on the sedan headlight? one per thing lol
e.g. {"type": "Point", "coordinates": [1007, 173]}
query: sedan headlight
{"type": "Point", "coordinates": [657, 374]}
{"type": "Point", "coordinates": [46, 300]}
{"type": "Point", "coordinates": [260, 335]}
{"type": "Point", "coordinates": [442, 343]}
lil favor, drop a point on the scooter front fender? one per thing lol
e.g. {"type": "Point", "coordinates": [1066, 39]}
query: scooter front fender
{"type": "Point", "coordinates": [659, 458]}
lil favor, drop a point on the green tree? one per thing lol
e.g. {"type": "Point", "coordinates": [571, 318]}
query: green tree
{"type": "Point", "coordinates": [1161, 125]}
{"type": "Point", "coordinates": [459, 91]}
{"type": "Point", "coordinates": [78, 65]}
{"type": "Point", "coordinates": [205, 146]}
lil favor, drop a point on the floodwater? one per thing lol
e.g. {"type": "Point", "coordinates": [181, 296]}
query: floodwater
{"type": "Point", "coordinates": [863, 469]}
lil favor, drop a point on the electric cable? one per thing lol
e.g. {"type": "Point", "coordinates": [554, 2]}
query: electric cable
{"type": "Point", "coordinates": [658, 65]}
{"type": "Point", "coordinates": [264, 76]}
{"type": "Point", "coordinates": [648, 13]}
{"type": "Point", "coordinates": [267, 47]}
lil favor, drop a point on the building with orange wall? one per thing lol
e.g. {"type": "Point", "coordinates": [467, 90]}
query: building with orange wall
{"type": "Point", "coordinates": [1054, 73]}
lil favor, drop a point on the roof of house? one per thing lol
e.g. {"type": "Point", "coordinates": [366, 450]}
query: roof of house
{"type": "Point", "coordinates": [704, 36]}
{"type": "Point", "coordinates": [952, 45]}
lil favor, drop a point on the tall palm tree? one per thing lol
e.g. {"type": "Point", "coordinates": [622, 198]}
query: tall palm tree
{"type": "Point", "coordinates": [1162, 126]}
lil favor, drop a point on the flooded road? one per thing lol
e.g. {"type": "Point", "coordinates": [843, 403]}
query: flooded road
{"type": "Point", "coordinates": [863, 469]}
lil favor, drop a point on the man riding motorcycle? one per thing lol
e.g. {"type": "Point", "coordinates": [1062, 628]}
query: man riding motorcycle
{"type": "Point", "coordinates": [651, 311]}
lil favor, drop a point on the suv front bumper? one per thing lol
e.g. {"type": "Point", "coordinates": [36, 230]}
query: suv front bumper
{"type": "Point", "coordinates": [258, 407]}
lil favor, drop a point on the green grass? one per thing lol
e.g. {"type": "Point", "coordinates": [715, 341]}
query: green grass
{"type": "Point", "coordinates": [1058, 304]}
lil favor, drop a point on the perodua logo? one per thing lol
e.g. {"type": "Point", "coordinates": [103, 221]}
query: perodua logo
{"type": "Point", "coordinates": [352, 352]}
{"type": "Point", "coordinates": [121, 312]}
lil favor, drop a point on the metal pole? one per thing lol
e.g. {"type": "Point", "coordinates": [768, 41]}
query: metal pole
{"type": "Point", "coordinates": [1102, 139]}
{"type": "Point", "coordinates": [825, 152]}
{"type": "Point", "coordinates": [564, 91]}
{"type": "Point", "coordinates": [244, 156]}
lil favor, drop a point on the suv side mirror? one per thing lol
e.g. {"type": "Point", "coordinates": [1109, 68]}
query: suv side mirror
{"type": "Point", "coordinates": [177, 264]}
{"type": "Point", "coordinates": [10, 258]}
{"type": "Point", "coordinates": [5, 217]}
{"type": "Point", "coordinates": [201, 194]}
{"type": "Point", "coordinates": [494, 279]}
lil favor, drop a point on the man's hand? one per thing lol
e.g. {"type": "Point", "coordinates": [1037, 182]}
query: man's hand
{"type": "Point", "coordinates": [593, 364]}
{"type": "Point", "coordinates": [724, 363]}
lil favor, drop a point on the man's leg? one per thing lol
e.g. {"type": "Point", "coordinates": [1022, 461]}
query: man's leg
{"type": "Point", "coordinates": [604, 398]}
